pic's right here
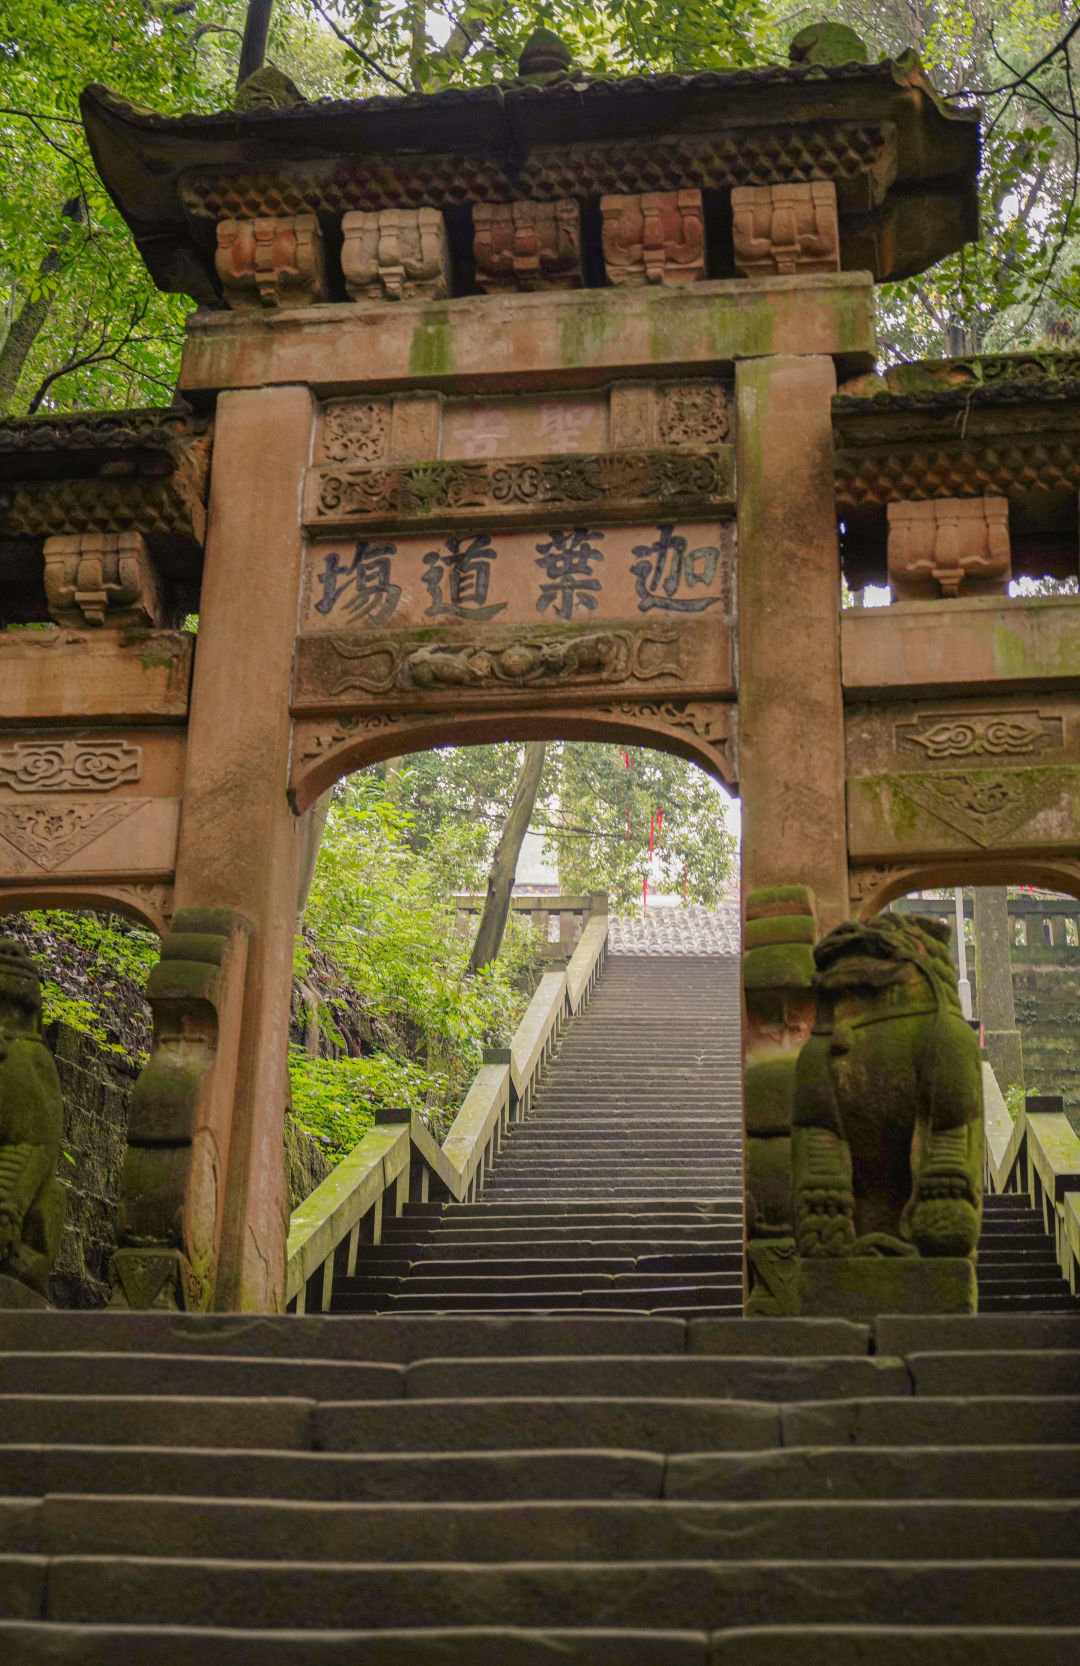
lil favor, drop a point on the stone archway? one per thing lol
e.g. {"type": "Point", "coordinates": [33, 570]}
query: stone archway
{"type": "Point", "coordinates": [701, 732]}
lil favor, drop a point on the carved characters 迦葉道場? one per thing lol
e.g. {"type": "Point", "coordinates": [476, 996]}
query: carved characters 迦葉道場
{"type": "Point", "coordinates": [383, 582]}
{"type": "Point", "coordinates": [31, 1129]}
{"type": "Point", "coordinates": [887, 1118]}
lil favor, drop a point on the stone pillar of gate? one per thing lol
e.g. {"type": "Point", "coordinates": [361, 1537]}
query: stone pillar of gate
{"type": "Point", "coordinates": [791, 767]}
{"type": "Point", "coordinates": [994, 985]}
{"type": "Point", "coordinates": [240, 843]}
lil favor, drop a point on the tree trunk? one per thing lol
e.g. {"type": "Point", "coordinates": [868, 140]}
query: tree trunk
{"type": "Point", "coordinates": [256, 32]}
{"type": "Point", "coordinates": [312, 828]}
{"type": "Point", "coordinates": [30, 320]}
{"type": "Point", "coordinates": [504, 863]}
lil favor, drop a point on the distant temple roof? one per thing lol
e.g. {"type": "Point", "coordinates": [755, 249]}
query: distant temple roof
{"type": "Point", "coordinates": [903, 160]}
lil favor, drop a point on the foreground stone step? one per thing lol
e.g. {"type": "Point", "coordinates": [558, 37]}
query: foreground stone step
{"type": "Point", "coordinates": [540, 1530]}
{"type": "Point", "coordinates": [21, 1645]}
{"type": "Point", "coordinates": [652, 1595]}
{"type": "Point", "coordinates": [764, 1646]}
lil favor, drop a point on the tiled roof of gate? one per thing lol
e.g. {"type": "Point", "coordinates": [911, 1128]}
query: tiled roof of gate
{"type": "Point", "coordinates": [663, 931]}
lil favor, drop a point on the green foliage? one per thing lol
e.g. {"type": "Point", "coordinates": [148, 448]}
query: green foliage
{"type": "Point", "coordinates": [379, 912]}
{"type": "Point", "coordinates": [336, 1099]}
{"type": "Point", "coordinates": [600, 790]}
{"type": "Point", "coordinates": [1014, 1098]}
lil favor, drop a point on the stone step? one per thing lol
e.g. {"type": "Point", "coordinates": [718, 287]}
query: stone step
{"type": "Point", "coordinates": [505, 1277]}
{"type": "Point", "coordinates": [652, 1594]}
{"type": "Point", "coordinates": [635, 1530]}
{"type": "Point", "coordinates": [524, 1263]}
{"type": "Point", "coordinates": [24, 1642]}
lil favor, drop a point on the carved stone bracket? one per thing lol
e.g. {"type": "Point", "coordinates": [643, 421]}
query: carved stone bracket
{"type": "Point", "coordinates": [271, 261]}
{"type": "Point", "coordinates": [171, 1193]}
{"type": "Point", "coordinates": [668, 483]}
{"type": "Point", "coordinates": [657, 237]}
{"type": "Point", "coordinates": [102, 578]}
{"type": "Point", "coordinates": [949, 544]}
{"type": "Point", "coordinates": [781, 229]}
{"type": "Point", "coordinates": [395, 254]}
{"type": "Point", "coordinates": [527, 245]}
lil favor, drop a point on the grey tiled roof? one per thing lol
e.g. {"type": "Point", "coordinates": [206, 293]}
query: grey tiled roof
{"type": "Point", "coordinates": [694, 930]}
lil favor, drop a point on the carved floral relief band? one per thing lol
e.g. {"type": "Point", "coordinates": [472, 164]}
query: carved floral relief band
{"type": "Point", "coordinates": [564, 573]}
{"type": "Point", "coordinates": [632, 482]}
{"type": "Point", "coordinates": [62, 765]}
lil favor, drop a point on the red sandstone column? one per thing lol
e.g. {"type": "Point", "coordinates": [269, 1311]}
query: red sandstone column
{"type": "Point", "coordinates": [791, 770]}
{"type": "Point", "coordinates": [791, 734]}
{"type": "Point", "coordinates": [239, 841]}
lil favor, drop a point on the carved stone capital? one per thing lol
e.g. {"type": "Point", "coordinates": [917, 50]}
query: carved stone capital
{"type": "Point", "coordinates": [271, 261]}
{"type": "Point", "coordinates": [527, 245]}
{"type": "Point", "coordinates": [948, 544]}
{"type": "Point", "coordinates": [101, 578]}
{"type": "Point", "coordinates": [395, 254]}
{"type": "Point", "coordinates": [785, 229]}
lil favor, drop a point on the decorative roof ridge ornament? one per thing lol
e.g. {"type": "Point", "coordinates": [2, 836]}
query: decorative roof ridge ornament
{"type": "Point", "coordinates": [544, 56]}
{"type": "Point", "coordinates": [268, 88]}
{"type": "Point", "coordinates": [827, 43]}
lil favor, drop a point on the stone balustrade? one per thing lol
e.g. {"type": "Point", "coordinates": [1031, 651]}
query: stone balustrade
{"type": "Point", "coordinates": [1038, 1153]}
{"type": "Point", "coordinates": [556, 941]}
{"type": "Point", "coordinates": [326, 1231]}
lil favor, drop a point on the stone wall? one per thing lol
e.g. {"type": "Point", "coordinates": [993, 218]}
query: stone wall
{"type": "Point", "coordinates": [97, 1085]}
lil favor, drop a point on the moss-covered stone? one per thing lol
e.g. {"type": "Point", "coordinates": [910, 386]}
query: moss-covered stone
{"type": "Point", "coordinates": [779, 899]}
{"type": "Point", "coordinates": [862, 1286]}
{"type": "Point", "coordinates": [827, 43]}
{"type": "Point", "coordinates": [779, 928]}
{"type": "Point", "coordinates": [768, 1186]}
{"type": "Point", "coordinates": [778, 966]}
{"type": "Point", "coordinates": [768, 1091]}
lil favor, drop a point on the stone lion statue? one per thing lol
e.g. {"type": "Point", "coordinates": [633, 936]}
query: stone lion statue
{"type": "Point", "coordinates": [887, 1130]}
{"type": "Point", "coordinates": [31, 1127]}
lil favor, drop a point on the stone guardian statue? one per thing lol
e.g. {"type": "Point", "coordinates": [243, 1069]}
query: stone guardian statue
{"type": "Point", "coordinates": [887, 1132]}
{"type": "Point", "coordinates": [31, 1126]}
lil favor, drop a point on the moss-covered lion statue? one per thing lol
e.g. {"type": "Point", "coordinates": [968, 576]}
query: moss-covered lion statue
{"type": "Point", "coordinates": [887, 1149]}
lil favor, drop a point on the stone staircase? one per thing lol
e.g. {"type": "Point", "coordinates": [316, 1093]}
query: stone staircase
{"type": "Point", "coordinates": [611, 1490]}
{"type": "Point", "coordinates": [1018, 1270]}
{"type": "Point", "coordinates": [623, 1189]}
{"type": "Point", "coordinates": [499, 1480]}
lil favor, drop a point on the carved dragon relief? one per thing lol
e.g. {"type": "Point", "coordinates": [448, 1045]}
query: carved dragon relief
{"type": "Point", "coordinates": [382, 665]}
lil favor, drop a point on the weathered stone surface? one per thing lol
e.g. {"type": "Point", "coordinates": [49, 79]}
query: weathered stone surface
{"type": "Point", "coordinates": [781, 229]}
{"type": "Point", "coordinates": [395, 254]}
{"type": "Point", "coordinates": [947, 545]}
{"type": "Point", "coordinates": [160, 1420]}
{"type": "Point", "coordinates": [862, 1286]}
{"type": "Point", "coordinates": [306, 1163]}
{"type": "Point", "coordinates": [271, 261]}
{"type": "Point", "coordinates": [102, 578]}
{"type": "Point", "coordinates": [657, 237]}
{"type": "Point", "coordinates": [801, 1337]}
{"type": "Point", "coordinates": [527, 245]}
{"type": "Point", "coordinates": [31, 1127]}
